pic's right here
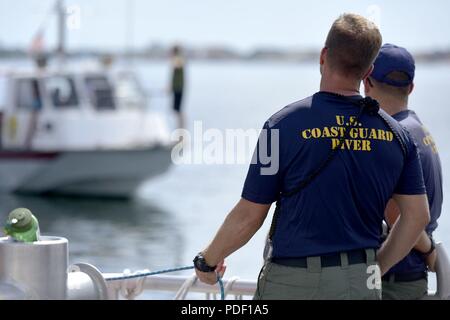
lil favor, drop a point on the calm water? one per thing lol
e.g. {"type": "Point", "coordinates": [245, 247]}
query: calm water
{"type": "Point", "coordinates": [175, 215]}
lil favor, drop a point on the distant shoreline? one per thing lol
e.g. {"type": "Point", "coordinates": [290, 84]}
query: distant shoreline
{"type": "Point", "coordinates": [210, 54]}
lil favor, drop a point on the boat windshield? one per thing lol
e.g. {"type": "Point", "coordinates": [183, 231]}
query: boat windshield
{"type": "Point", "coordinates": [100, 92]}
{"type": "Point", "coordinates": [61, 91]}
{"type": "Point", "coordinates": [129, 91]}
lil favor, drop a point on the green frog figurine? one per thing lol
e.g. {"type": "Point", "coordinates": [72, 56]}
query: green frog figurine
{"type": "Point", "coordinates": [22, 226]}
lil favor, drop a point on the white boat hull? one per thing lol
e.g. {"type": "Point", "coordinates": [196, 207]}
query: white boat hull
{"type": "Point", "coordinates": [105, 173]}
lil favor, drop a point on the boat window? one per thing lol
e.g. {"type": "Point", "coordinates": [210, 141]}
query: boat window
{"type": "Point", "coordinates": [62, 92]}
{"type": "Point", "coordinates": [101, 93]}
{"type": "Point", "coordinates": [28, 96]}
{"type": "Point", "coordinates": [129, 91]}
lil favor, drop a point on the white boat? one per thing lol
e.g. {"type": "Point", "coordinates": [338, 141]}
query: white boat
{"type": "Point", "coordinates": [78, 133]}
{"type": "Point", "coordinates": [85, 131]}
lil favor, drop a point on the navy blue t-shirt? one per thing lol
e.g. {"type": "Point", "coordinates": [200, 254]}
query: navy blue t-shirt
{"type": "Point", "coordinates": [343, 208]}
{"type": "Point", "coordinates": [432, 175]}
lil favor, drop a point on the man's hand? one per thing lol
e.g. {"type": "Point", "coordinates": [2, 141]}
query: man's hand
{"type": "Point", "coordinates": [415, 216]}
{"type": "Point", "coordinates": [211, 277]}
{"type": "Point", "coordinates": [423, 244]}
{"type": "Point", "coordinates": [240, 225]}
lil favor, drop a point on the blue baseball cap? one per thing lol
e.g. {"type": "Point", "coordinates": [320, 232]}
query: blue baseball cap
{"type": "Point", "coordinates": [393, 58]}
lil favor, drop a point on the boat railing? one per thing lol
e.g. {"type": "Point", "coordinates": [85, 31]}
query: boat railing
{"type": "Point", "coordinates": [237, 288]}
{"type": "Point", "coordinates": [40, 270]}
{"type": "Point", "coordinates": [442, 274]}
{"type": "Point", "coordinates": [234, 287]}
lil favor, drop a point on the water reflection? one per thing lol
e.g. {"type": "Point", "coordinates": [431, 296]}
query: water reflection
{"type": "Point", "coordinates": [111, 234]}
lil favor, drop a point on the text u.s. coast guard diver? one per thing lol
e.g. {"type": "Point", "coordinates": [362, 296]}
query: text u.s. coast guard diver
{"type": "Point", "coordinates": [328, 234]}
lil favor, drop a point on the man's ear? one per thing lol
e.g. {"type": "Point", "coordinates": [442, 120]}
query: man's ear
{"type": "Point", "coordinates": [369, 72]}
{"type": "Point", "coordinates": [411, 88]}
{"type": "Point", "coordinates": [323, 53]}
{"type": "Point", "coordinates": [367, 86]}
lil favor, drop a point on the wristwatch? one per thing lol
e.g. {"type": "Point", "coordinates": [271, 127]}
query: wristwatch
{"type": "Point", "coordinates": [201, 265]}
{"type": "Point", "coordinates": [432, 248]}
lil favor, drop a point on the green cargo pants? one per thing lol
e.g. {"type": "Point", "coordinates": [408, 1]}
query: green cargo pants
{"type": "Point", "coordinates": [413, 290]}
{"type": "Point", "coordinates": [346, 282]}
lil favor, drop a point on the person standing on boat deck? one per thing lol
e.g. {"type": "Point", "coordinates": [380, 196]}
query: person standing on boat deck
{"type": "Point", "coordinates": [178, 83]}
{"type": "Point", "coordinates": [331, 165]}
{"type": "Point", "coordinates": [391, 83]}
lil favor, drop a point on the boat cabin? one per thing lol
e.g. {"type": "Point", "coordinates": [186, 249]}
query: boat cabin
{"type": "Point", "coordinates": [76, 111]}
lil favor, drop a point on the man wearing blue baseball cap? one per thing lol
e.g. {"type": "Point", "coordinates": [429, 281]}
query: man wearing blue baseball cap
{"type": "Point", "coordinates": [391, 83]}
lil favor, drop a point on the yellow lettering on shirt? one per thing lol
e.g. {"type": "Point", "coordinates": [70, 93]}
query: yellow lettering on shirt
{"type": "Point", "coordinates": [306, 134]}
{"type": "Point", "coordinates": [429, 141]}
{"type": "Point", "coordinates": [358, 138]}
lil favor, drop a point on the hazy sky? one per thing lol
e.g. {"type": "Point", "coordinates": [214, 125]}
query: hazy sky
{"type": "Point", "coordinates": [242, 24]}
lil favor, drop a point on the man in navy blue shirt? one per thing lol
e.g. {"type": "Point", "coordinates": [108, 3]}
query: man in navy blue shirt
{"type": "Point", "coordinates": [335, 163]}
{"type": "Point", "coordinates": [391, 83]}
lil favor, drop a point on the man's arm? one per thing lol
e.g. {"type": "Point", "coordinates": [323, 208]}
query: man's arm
{"type": "Point", "coordinates": [414, 217]}
{"type": "Point", "coordinates": [423, 244]}
{"type": "Point", "coordinates": [238, 228]}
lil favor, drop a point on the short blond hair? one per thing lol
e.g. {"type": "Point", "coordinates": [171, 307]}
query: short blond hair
{"type": "Point", "coordinates": [352, 45]}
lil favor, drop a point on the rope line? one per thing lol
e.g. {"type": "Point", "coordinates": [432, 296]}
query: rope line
{"type": "Point", "coordinates": [222, 290]}
{"type": "Point", "coordinates": [146, 274]}
{"type": "Point", "coordinates": [153, 273]}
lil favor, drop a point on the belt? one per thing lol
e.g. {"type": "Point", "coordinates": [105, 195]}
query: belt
{"type": "Point", "coordinates": [405, 277]}
{"type": "Point", "coordinates": [328, 260]}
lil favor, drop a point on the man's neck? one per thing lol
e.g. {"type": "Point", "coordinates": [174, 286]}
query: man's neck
{"type": "Point", "coordinates": [340, 85]}
{"type": "Point", "coordinates": [392, 106]}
